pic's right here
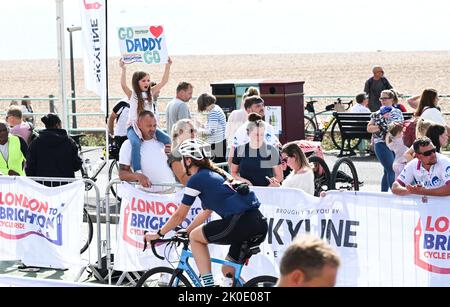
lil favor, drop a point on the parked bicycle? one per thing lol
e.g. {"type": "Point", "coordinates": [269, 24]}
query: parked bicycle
{"type": "Point", "coordinates": [88, 170]}
{"type": "Point", "coordinates": [315, 130]}
{"type": "Point", "coordinates": [183, 275]}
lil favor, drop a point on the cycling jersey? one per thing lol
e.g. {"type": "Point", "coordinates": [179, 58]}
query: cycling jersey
{"type": "Point", "coordinates": [437, 176]}
{"type": "Point", "coordinates": [215, 194]}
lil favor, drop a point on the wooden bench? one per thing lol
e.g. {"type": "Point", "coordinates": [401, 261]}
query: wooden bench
{"type": "Point", "coordinates": [354, 126]}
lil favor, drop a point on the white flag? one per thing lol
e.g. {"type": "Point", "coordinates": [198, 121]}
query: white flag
{"type": "Point", "coordinates": [94, 39]}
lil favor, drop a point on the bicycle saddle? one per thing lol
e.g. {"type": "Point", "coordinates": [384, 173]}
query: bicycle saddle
{"type": "Point", "coordinates": [251, 247]}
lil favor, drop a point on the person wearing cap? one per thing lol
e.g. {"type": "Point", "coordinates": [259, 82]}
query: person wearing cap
{"type": "Point", "coordinates": [374, 86]}
{"type": "Point", "coordinates": [53, 153]}
{"type": "Point", "coordinates": [362, 101]}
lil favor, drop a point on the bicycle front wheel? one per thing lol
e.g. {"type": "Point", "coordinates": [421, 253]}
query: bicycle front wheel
{"type": "Point", "coordinates": [310, 128]}
{"type": "Point", "coordinates": [261, 281]}
{"type": "Point", "coordinates": [344, 176]}
{"type": "Point", "coordinates": [163, 277]}
{"type": "Point", "coordinates": [87, 239]}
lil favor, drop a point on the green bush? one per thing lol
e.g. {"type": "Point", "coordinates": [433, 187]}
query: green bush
{"type": "Point", "coordinates": [93, 139]}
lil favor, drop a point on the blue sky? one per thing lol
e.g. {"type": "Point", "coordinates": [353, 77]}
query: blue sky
{"type": "Point", "coordinates": [240, 26]}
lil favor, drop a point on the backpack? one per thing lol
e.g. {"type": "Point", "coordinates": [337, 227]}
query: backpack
{"type": "Point", "coordinates": [409, 132]}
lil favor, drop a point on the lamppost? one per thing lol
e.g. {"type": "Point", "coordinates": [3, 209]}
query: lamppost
{"type": "Point", "coordinates": [72, 76]}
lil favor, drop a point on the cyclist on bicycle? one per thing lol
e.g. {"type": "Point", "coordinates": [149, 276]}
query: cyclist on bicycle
{"type": "Point", "coordinates": [232, 201]}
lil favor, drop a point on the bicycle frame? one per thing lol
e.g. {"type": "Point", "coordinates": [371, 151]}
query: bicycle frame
{"type": "Point", "coordinates": [184, 266]}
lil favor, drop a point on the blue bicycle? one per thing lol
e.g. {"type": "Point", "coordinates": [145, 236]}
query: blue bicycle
{"type": "Point", "coordinates": [185, 276]}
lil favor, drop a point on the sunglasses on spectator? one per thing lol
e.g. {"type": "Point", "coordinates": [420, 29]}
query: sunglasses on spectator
{"type": "Point", "coordinates": [386, 98]}
{"type": "Point", "coordinates": [284, 160]}
{"type": "Point", "coordinates": [428, 152]}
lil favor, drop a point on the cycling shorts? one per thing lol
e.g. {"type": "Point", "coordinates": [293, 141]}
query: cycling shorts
{"type": "Point", "coordinates": [236, 229]}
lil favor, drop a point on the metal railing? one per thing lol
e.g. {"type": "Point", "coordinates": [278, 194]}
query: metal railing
{"type": "Point", "coordinates": [52, 102]}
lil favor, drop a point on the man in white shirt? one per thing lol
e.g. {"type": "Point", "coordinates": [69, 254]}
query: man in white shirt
{"type": "Point", "coordinates": [177, 108]}
{"type": "Point", "coordinates": [427, 174]}
{"type": "Point", "coordinates": [153, 156]}
{"type": "Point", "coordinates": [362, 101]}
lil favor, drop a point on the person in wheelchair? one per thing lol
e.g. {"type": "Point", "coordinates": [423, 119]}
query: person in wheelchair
{"type": "Point", "coordinates": [241, 221]}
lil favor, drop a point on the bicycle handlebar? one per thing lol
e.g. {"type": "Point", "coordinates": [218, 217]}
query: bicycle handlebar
{"type": "Point", "coordinates": [180, 238]}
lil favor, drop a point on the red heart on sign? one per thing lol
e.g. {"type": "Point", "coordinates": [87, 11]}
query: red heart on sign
{"type": "Point", "coordinates": [156, 31]}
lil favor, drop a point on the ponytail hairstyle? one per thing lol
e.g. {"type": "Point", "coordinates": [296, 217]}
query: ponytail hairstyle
{"type": "Point", "coordinates": [207, 163]}
{"type": "Point", "coordinates": [255, 121]}
{"type": "Point", "coordinates": [51, 121]}
{"type": "Point", "coordinates": [395, 96]}
{"type": "Point", "coordinates": [138, 76]}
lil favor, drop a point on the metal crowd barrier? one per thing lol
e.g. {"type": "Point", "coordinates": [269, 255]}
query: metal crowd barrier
{"type": "Point", "coordinates": [113, 201]}
{"type": "Point", "coordinates": [89, 202]}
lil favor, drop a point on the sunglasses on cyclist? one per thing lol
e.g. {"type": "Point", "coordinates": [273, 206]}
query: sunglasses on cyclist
{"type": "Point", "coordinates": [428, 152]}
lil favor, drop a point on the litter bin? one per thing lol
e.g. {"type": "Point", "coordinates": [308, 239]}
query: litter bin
{"type": "Point", "coordinates": [284, 102]}
{"type": "Point", "coordinates": [226, 95]}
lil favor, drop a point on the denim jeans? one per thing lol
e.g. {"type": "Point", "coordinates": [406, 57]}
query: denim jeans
{"type": "Point", "coordinates": [136, 145]}
{"type": "Point", "coordinates": [386, 158]}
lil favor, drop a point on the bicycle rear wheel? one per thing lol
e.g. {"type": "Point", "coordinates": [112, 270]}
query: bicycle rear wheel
{"type": "Point", "coordinates": [336, 138]}
{"type": "Point", "coordinates": [310, 128]}
{"type": "Point", "coordinates": [322, 175]}
{"type": "Point", "coordinates": [344, 176]}
{"type": "Point", "coordinates": [163, 277]}
{"type": "Point", "coordinates": [86, 240]}
{"type": "Point", "coordinates": [113, 173]}
{"type": "Point", "coordinates": [261, 281]}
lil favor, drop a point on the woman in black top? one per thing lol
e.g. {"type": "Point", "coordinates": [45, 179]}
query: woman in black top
{"type": "Point", "coordinates": [256, 160]}
{"type": "Point", "coordinates": [53, 153]}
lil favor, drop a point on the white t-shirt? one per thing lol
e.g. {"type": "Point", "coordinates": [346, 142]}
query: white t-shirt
{"type": "Point", "coordinates": [438, 176]}
{"type": "Point", "coordinates": [433, 115]}
{"type": "Point", "coordinates": [153, 161]}
{"type": "Point", "coordinates": [359, 108]}
{"type": "Point", "coordinates": [236, 119]}
{"type": "Point", "coordinates": [148, 106]}
{"type": "Point", "coordinates": [241, 136]}
{"type": "Point", "coordinates": [303, 181]}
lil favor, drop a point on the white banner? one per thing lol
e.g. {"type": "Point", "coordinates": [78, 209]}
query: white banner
{"type": "Point", "coordinates": [144, 44]}
{"type": "Point", "coordinates": [382, 239]}
{"type": "Point", "coordinates": [142, 211]}
{"type": "Point", "coordinates": [40, 226]}
{"type": "Point", "coordinates": [94, 39]}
